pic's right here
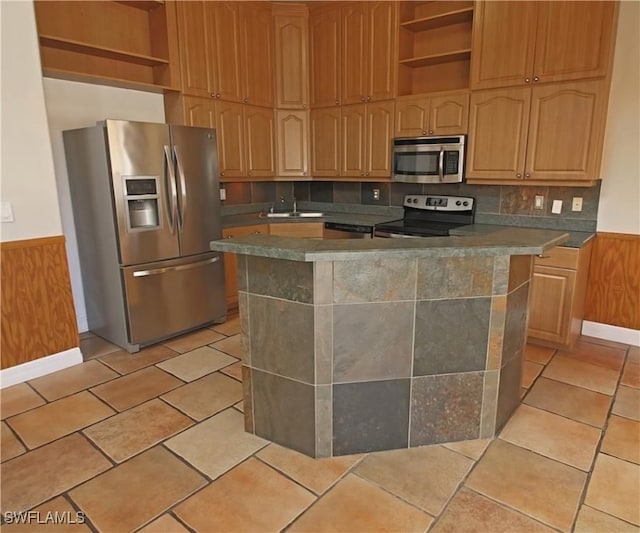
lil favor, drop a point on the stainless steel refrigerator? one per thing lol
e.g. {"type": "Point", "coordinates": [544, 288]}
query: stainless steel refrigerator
{"type": "Point", "coordinates": [146, 204]}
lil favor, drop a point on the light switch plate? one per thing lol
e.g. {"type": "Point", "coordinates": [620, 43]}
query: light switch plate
{"type": "Point", "coordinates": [6, 212]}
{"type": "Point", "coordinates": [556, 208]}
{"type": "Point", "coordinates": [539, 202]}
{"type": "Point", "coordinates": [223, 194]}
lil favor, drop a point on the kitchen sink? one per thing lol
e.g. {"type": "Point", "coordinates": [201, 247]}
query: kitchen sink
{"type": "Point", "coordinates": [292, 214]}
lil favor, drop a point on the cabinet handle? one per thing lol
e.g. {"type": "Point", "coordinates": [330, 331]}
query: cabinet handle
{"type": "Point", "coordinates": [337, 102]}
{"type": "Point", "coordinates": [527, 80]}
{"type": "Point", "coordinates": [229, 237]}
{"type": "Point", "coordinates": [222, 173]}
{"type": "Point", "coordinates": [213, 95]}
{"type": "Point", "coordinates": [366, 173]}
{"type": "Point", "coordinates": [362, 173]}
{"type": "Point", "coordinates": [363, 98]}
{"type": "Point", "coordinates": [304, 106]}
{"type": "Point", "coordinates": [519, 176]}
{"type": "Point", "coordinates": [304, 173]}
{"type": "Point", "coordinates": [245, 100]}
{"type": "Point", "coordinates": [527, 175]}
{"type": "Point", "coordinates": [368, 99]}
{"type": "Point", "coordinates": [430, 132]}
{"type": "Point", "coordinates": [424, 132]}
{"type": "Point", "coordinates": [542, 256]}
{"type": "Point", "coordinates": [535, 78]}
{"type": "Point", "coordinates": [218, 95]}
{"type": "Point", "coordinates": [257, 232]}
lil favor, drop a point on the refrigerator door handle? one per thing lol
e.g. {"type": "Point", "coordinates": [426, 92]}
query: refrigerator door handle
{"type": "Point", "coordinates": [143, 273]}
{"type": "Point", "coordinates": [172, 197]}
{"type": "Point", "coordinates": [183, 188]}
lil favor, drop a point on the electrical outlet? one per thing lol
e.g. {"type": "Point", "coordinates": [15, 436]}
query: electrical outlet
{"type": "Point", "coordinates": [577, 204]}
{"type": "Point", "coordinates": [556, 207]}
{"type": "Point", "coordinates": [376, 194]}
{"type": "Point", "coordinates": [539, 202]}
{"type": "Point", "coordinates": [223, 193]}
{"type": "Point", "coordinates": [7, 212]}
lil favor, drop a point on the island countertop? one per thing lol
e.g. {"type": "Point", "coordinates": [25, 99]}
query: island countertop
{"type": "Point", "coordinates": [507, 241]}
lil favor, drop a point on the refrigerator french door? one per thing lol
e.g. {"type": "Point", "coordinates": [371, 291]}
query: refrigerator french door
{"type": "Point", "coordinates": [146, 203]}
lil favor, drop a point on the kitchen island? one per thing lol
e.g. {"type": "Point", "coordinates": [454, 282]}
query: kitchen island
{"type": "Point", "coordinates": [378, 344]}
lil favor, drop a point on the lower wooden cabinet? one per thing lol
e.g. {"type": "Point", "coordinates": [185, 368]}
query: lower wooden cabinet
{"type": "Point", "coordinates": [305, 230]}
{"type": "Point", "coordinates": [231, 261]}
{"type": "Point", "coordinates": [556, 301]}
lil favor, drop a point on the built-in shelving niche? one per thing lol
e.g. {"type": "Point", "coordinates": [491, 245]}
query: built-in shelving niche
{"type": "Point", "coordinates": [434, 46]}
{"type": "Point", "coordinates": [122, 43]}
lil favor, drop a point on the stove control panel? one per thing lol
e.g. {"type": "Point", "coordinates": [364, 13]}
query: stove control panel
{"type": "Point", "coordinates": [432, 202]}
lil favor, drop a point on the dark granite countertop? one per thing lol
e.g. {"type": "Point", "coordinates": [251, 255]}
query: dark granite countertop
{"type": "Point", "coordinates": [577, 239]}
{"type": "Point", "coordinates": [505, 241]}
{"type": "Point", "coordinates": [249, 219]}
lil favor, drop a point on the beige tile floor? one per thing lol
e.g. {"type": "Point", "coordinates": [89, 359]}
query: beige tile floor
{"type": "Point", "coordinates": [154, 442]}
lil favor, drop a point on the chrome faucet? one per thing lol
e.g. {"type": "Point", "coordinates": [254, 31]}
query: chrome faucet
{"type": "Point", "coordinates": [295, 205]}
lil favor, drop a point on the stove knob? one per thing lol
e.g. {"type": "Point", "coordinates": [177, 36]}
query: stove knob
{"type": "Point", "coordinates": [465, 203]}
{"type": "Point", "coordinates": [415, 200]}
{"type": "Point", "coordinates": [458, 202]}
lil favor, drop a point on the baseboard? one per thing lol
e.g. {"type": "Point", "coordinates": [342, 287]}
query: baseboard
{"type": "Point", "coordinates": [611, 333]}
{"type": "Point", "coordinates": [39, 367]}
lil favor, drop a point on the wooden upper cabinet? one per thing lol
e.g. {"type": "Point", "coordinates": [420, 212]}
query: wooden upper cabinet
{"type": "Point", "coordinates": [541, 134]}
{"type": "Point", "coordinates": [230, 124]}
{"type": "Point", "coordinates": [369, 47]}
{"type": "Point", "coordinates": [498, 129]}
{"type": "Point", "coordinates": [566, 131]}
{"type": "Point", "coordinates": [291, 61]}
{"type": "Point", "coordinates": [256, 33]}
{"type": "Point", "coordinates": [354, 56]}
{"type": "Point", "coordinates": [378, 139]}
{"type": "Point", "coordinates": [260, 139]}
{"type": "Point", "coordinates": [325, 142]}
{"type": "Point", "coordinates": [367, 130]}
{"type": "Point", "coordinates": [225, 23]}
{"type": "Point", "coordinates": [209, 52]}
{"type": "Point", "coordinates": [292, 141]}
{"type": "Point", "coordinates": [324, 50]}
{"type": "Point", "coordinates": [517, 43]}
{"type": "Point", "coordinates": [200, 112]}
{"type": "Point", "coordinates": [382, 48]}
{"type": "Point", "coordinates": [446, 114]}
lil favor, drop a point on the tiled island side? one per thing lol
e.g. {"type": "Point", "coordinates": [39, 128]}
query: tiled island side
{"type": "Point", "coordinates": [383, 344]}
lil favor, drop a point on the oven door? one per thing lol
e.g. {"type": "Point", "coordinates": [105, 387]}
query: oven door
{"type": "Point", "coordinates": [427, 163]}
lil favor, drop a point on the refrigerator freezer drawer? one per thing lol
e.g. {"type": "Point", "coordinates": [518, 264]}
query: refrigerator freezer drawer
{"type": "Point", "coordinates": [168, 297]}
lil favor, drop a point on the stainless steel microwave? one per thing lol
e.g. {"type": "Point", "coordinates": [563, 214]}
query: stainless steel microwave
{"type": "Point", "coordinates": [428, 159]}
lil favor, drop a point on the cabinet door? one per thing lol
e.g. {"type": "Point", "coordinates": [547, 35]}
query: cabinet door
{"type": "Point", "coordinates": [257, 53]}
{"type": "Point", "coordinates": [324, 46]}
{"type": "Point", "coordinates": [325, 141]}
{"type": "Point", "coordinates": [382, 26]}
{"type": "Point", "coordinates": [498, 125]}
{"type": "Point", "coordinates": [301, 230]}
{"type": "Point", "coordinates": [449, 115]}
{"type": "Point", "coordinates": [550, 303]}
{"type": "Point", "coordinates": [566, 131]}
{"type": "Point", "coordinates": [260, 136]}
{"type": "Point", "coordinates": [574, 40]}
{"type": "Point", "coordinates": [292, 63]}
{"type": "Point", "coordinates": [225, 23]}
{"type": "Point", "coordinates": [196, 56]}
{"type": "Point", "coordinates": [231, 140]}
{"type": "Point", "coordinates": [199, 112]}
{"type": "Point", "coordinates": [503, 43]}
{"type": "Point", "coordinates": [412, 117]}
{"type": "Point", "coordinates": [353, 133]}
{"type": "Point", "coordinates": [378, 140]}
{"type": "Point", "coordinates": [293, 140]}
{"type": "Point", "coordinates": [354, 53]}
{"type": "Point", "coordinates": [231, 261]}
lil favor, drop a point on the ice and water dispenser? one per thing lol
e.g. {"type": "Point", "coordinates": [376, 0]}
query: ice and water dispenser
{"type": "Point", "coordinates": [143, 206]}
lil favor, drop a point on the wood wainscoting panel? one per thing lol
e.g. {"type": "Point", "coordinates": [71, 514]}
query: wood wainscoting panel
{"type": "Point", "coordinates": [613, 290]}
{"type": "Point", "coordinates": [38, 315]}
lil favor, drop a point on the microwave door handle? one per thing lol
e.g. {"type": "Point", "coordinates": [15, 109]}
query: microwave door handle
{"type": "Point", "coordinates": [441, 164]}
{"type": "Point", "coordinates": [183, 188]}
{"type": "Point", "coordinates": [172, 193]}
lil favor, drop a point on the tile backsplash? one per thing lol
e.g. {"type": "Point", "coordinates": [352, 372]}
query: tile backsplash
{"type": "Point", "coordinates": [495, 204]}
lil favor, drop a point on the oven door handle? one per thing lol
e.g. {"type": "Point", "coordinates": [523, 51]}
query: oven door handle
{"type": "Point", "coordinates": [441, 164]}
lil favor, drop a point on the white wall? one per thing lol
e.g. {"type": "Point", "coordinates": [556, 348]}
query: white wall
{"type": "Point", "coordinates": [76, 105]}
{"type": "Point", "coordinates": [619, 208]}
{"type": "Point", "coordinates": [27, 178]}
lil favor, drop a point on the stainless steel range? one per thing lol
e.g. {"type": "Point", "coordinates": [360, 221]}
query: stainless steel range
{"type": "Point", "coordinates": [429, 215]}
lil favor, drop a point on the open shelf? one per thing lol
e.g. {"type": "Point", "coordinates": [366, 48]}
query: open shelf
{"type": "Point", "coordinates": [435, 59]}
{"type": "Point", "coordinates": [100, 51]}
{"type": "Point", "coordinates": [437, 21]}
